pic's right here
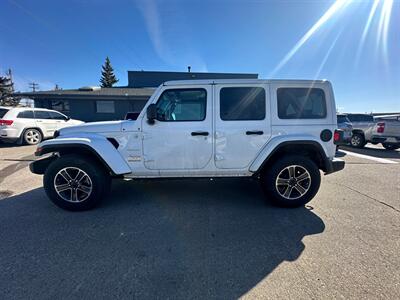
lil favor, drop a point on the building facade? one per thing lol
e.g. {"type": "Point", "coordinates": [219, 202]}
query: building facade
{"type": "Point", "coordinates": [91, 104]}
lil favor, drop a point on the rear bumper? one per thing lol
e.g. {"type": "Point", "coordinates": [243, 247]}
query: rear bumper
{"type": "Point", "coordinates": [334, 165]}
{"type": "Point", "coordinates": [385, 139]}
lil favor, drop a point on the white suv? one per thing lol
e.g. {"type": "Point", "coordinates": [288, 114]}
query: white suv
{"type": "Point", "coordinates": [280, 132]}
{"type": "Point", "coordinates": [31, 125]}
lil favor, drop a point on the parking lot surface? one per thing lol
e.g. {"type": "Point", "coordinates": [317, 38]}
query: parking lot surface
{"type": "Point", "coordinates": [204, 238]}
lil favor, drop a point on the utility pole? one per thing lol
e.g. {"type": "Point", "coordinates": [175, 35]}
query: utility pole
{"type": "Point", "coordinates": [33, 86]}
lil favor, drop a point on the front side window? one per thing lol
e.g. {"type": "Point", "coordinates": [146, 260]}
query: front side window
{"type": "Point", "coordinates": [301, 103]}
{"type": "Point", "coordinates": [105, 107]}
{"type": "Point", "coordinates": [27, 114]}
{"type": "Point", "coordinates": [182, 105]}
{"type": "Point", "coordinates": [242, 103]}
{"type": "Point", "coordinates": [57, 116]}
{"type": "Point", "coordinates": [40, 114]}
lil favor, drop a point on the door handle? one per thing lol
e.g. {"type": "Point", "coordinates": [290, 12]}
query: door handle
{"type": "Point", "coordinates": [255, 132]}
{"type": "Point", "coordinates": [195, 133]}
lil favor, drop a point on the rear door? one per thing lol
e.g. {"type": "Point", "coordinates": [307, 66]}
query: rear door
{"type": "Point", "coordinates": [242, 126]}
{"type": "Point", "coordinates": [45, 122]}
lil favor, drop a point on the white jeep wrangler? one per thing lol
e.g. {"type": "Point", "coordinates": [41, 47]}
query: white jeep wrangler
{"type": "Point", "coordinates": [278, 131]}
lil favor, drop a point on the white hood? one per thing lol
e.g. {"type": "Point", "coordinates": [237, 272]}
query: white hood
{"type": "Point", "coordinates": [97, 127]}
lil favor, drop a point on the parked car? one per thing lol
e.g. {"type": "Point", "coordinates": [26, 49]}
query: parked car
{"type": "Point", "coordinates": [383, 130]}
{"type": "Point", "coordinates": [31, 125]}
{"type": "Point", "coordinates": [362, 125]}
{"type": "Point", "coordinates": [279, 132]}
{"type": "Point", "coordinates": [344, 124]}
{"type": "Point", "coordinates": [386, 132]}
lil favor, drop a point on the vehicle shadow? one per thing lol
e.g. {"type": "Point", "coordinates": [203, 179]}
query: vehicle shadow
{"type": "Point", "coordinates": [381, 153]}
{"type": "Point", "coordinates": [164, 239]}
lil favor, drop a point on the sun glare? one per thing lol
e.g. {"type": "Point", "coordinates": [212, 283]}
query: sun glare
{"type": "Point", "coordinates": [385, 7]}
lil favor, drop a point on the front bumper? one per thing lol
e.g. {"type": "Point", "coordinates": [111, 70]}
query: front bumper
{"type": "Point", "coordinates": [39, 166]}
{"type": "Point", "coordinates": [334, 165]}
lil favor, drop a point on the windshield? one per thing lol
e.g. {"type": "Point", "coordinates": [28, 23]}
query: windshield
{"type": "Point", "coordinates": [342, 119]}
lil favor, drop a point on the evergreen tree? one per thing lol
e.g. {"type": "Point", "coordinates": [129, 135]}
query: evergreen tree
{"type": "Point", "coordinates": [6, 92]}
{"type": "Point", "coordinates": [107, 75]}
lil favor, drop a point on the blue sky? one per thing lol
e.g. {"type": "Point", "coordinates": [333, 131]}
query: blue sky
{"type": "Point", "coordinates": [65, 42]}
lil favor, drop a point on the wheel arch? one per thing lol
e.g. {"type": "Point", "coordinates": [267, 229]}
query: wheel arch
{"type": "Point", "coordinates": [21, 137]}
{"type": "Point", "coordinates": [359, 131]}
{"type": "Point", "coordinates": [100, 149]}
{"type": "Point", "coordinates": [308, 148]}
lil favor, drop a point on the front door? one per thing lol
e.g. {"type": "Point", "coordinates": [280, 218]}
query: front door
{"type": "Point", "coordinates": [45, 122]}
{"type": "Point", "coordinates": [242, 124]}
{"type": "Point", "coordinates": [181, 136]}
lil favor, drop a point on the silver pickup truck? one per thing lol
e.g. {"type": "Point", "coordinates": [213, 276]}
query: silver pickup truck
{"type": "Point", "coordinates": [386, 130]}
{"type": "Point", "coordinates": [383, 130]}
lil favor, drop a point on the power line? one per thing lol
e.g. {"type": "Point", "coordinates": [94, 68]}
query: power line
{"type": "Point", "coordinates": [33, 86]}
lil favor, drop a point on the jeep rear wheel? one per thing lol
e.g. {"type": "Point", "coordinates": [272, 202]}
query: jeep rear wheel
{"type": "Point", "coordinates": [291, 182]}
{"type": "Point", "coordinates": [75, 182]}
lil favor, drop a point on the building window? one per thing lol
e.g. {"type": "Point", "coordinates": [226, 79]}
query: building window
{"type": "Point", "coordinates": [105, 107]}
{"type": "Point", "coordinates": [182, 105]}
{"type": "Point", "coordinates": [60, 105]}
{"type": "Point", "coordinates": [242, 103]}
{"type": "Point", "coordinates": [301, 103]}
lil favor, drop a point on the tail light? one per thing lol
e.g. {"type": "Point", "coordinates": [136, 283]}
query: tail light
{"type": "Point", "coordinates": [381, 127]}
{"type": "Point", "coordinates": [337, 136]}
{"type": "Point", "coordinates": [6, 122]}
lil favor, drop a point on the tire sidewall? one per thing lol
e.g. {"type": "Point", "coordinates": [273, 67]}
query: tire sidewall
{"type": "Point", "coordinates": [361, 138]}
{"type": "Point", "coordinates": [32, 129]}
{"type": "Point", "coordinates": [268, 181]}
{"type": "Point", "coordinates": [100, 181]}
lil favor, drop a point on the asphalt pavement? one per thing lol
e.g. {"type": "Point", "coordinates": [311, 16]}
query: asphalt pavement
{"type": "Point", "coordinates": [204, 239]}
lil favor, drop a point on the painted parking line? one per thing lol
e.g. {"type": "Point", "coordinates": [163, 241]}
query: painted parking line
{"type": "Point", "coordinates": [377, 159]}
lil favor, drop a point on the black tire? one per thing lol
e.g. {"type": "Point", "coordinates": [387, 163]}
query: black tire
{"type": "Point", "coordinates": [391, 146]}
{"type": "Point", "coordinates": [99, 181]}
{"type": "Point", "coordinates": [274, 192]}
{"type": "Point", "coordinates": [357, 140]}
{"type": "Point", "coordinates": [32, 136]}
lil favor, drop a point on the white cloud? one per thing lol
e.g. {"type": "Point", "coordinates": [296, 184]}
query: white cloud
{"type": "Point", "coordinates": [182, 57]}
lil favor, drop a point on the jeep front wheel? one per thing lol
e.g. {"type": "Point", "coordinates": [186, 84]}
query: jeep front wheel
{"type": "Point", "coordinates": [291, 181]}
{"type": "Point", "coordinates": [75, 182]}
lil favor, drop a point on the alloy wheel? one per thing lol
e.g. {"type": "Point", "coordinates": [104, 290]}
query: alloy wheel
{"type": "Point", "coordinates": [73, 184]}
{"type": "Point", "coordinates": [293, 182]}
{"type": "Point", "coordinates": [32, 136]}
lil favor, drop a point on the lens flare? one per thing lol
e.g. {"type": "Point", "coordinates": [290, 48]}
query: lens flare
{"type": "Point", "coordinates": [381, 9]}
{"type": "Point", "coordinates": [383, 27]}
{"type": "Point", "coordinates": [335, 7]}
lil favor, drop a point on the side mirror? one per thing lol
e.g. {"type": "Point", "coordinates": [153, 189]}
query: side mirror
{"type": "Point", "coordinates": [151, 113]}
{"type": "Point", "coordinates": [67, 118]}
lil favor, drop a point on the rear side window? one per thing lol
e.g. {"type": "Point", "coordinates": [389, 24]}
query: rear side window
{"type": "Point", "coordinates": [3, 111]}
{"type": "Point", "coordinates": [361, 118]}
{"type": "Point", "coordinates": [301, 103]}
{"type": "Point", "coordinates": [27, 114]}
{"type": "Point", "coordinates": [242, 103]}
{"type": "Point", "coordinates": [40, 114]}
